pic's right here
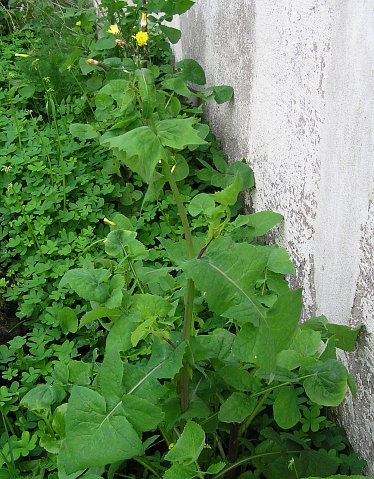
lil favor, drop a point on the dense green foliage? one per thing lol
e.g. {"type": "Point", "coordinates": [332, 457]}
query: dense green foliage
{"type": "Point", "coordinates": [162, 339]}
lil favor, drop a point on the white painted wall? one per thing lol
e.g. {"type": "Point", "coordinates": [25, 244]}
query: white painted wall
{"type": "Point", "coordinates": [303, 116]}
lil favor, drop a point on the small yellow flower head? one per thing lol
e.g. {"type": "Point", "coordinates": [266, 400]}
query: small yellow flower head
{"type": "Point", "coordinates": [108, 222]}
{"type": "Point", "coordinates": [78, 23]}
{"type": "Point", "coordinates": [143, 20]}
{"type": "Point", "coordinates": [22, 55]}
{"type": "Point", "coordinates": [114, 30]}
{"type": "Point", "coordinates": [91, 61]}
{"type": "Point", "coordinates": [141, 38]}
{"type": "Point", "coordinates": [120, 42]}
{"type": "Point", "coordinates": [171, 445]}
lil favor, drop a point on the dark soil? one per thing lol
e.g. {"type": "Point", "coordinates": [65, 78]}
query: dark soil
{"type": "Point", "coordinates": [10, 325]}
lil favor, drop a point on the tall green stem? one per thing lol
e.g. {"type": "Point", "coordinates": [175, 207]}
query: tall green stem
{"type": "Point", "coordinates": [190, 288]}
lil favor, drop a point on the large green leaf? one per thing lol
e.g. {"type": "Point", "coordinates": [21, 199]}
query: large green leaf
{"type": "Point", "coordinates": [237, 408]}
{"type": "Point", "coordinates": [171, 7]}
{"type": "Point", "coordinates": [236, 377]}
{"type": "Point", "coordinates": [286, 408]}
{"type": "Point", "coordinates": [142, 414]}
{"type": "Point", "coordinates": [259, 223]}
{"type": "Point", "coordinates": [189, 445]}
{"type": "Point", "coordinates": [191, 71]}
{"type": "Point", "coordinates": [121, 243]}
{"type": "Point", "coordinates": [142, 148]}
{"type": "Point", "coordinates": [110, 378]}
{"type": "Point", "coordinates": [165, 362]}
{"type": "Point", "coordinates": [229, 195]}
{"type": "Point", "coordinates": [142, 383]}
{"type": "Point", "coordinates": [279, 261]}
{"type": "Point", "coordinates": [178, 133]}
{"type": "Point", "coordinates": [147, 90]}
{"type": "Point", "coordinates": [90, 284]}
{"type": "Point", "coordinates": [202, 203]}
{"type": "Point", "coordinates": [306, 342]}
{"type": "Point", "coordinates": [346, 337]}
{"type": "Point", "coordinates": [99, 313]}
{"type": "Point", "coordinates": [119, 337]}
{"type": "Point", "coordinates": [222, 93]}
{"type": "Point", "coordinates": [43, 396]}
{"type": "Point", "coordinates": [217, 344]}
{"type": "Point", "coordinates": [177, 7]}
{"type": "Point", "coordinates": [116, 89]}
{"type": "Point", "coordinates": [178, 471]}
{"type": "Point", "coordinates": [151, 307]}
{"type": "Point", "coordinates": [177, 85]}
{"type": "Point", "coordinates": [327, 385]}
{"type": "Point", "coordinates": [283, 318]}
{"type": "Point", "coordinates": [139, 149]}
{"type": "Point", "coordinates": [227, 274]}
{"type": "Point", "coordinates": [260, 344]}
{"type": "Point", "coordinates": [173, 34]}
{"type": "Point", "coordinates": [95, 434]}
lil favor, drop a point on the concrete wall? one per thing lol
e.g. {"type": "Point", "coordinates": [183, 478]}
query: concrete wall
{"type": "Point", "coordinates": [303, 116]}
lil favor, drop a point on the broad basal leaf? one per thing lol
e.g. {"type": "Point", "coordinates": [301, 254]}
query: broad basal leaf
{"type": "Point", "coordinates": [95, 434]}
{"type": "Point", "coordinates": [217, 344]}
{"type": "Point", "coordinates": [226, 274]}
{"type": "Point", "coordinates": [165, 362]}
{"type": "Point", "coordinates": [116, 89]}
{"type": "Point", "coordinates": [142, 414]}
{"type": "Point", "coordinates": [139, 149]}
{"type": "Point", "coordinates": [259, 344]}
{"type": "Point", "coordinates": [142, 148]}
{"type": "Point", "coordinates": [110, 377]}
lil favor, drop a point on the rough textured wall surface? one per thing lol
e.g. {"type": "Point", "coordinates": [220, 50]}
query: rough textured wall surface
{"type": "Point", "coordinates": [303, 116]}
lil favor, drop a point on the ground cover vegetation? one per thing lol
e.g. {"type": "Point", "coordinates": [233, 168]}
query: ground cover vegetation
{"type": "Point", "coordinates": [160, 337]}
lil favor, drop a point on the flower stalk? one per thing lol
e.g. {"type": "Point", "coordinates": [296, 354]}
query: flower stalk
{"type": "Point", "coordinates": [190, 288]}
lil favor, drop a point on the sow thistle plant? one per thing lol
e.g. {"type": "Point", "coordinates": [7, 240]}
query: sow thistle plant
{"type": "Point", "coordinates": [205, 370]}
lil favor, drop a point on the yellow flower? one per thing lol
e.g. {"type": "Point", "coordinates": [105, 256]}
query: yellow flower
{"type": "Point", "coordinates": [114, 30]}
{"type": "Point", "coordinates": [141, 38]}
{"type": "Point", "coordinates": [108, 222]}
{"type": "Point", "coordinates": [22, 55]}
{"type": "Point", "coordinates": [78, 23]}
{"type": "Point", "coordinates": [143, 20]}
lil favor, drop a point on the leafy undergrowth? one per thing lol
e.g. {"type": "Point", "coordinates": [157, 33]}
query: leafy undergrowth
{"type": "Point", "coordinates": [161, 337]}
